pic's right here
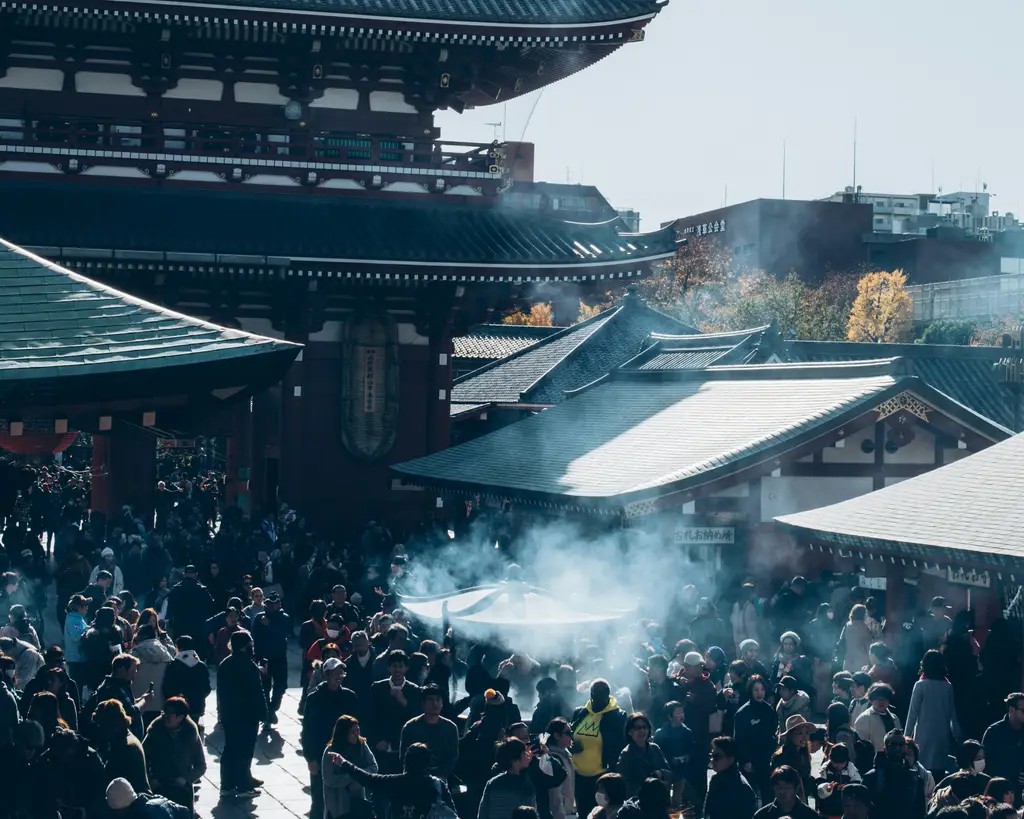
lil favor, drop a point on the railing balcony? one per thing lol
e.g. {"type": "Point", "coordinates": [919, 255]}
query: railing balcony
{"type": "Point", "coordinates": [329, 154]}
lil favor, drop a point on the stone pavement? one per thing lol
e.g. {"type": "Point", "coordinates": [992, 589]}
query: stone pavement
{"type": "Point", "coordinates": [278, 762]}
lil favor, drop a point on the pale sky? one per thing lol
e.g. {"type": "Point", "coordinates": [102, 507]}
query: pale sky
{"type": "Point", "coordinates": [708, 99]}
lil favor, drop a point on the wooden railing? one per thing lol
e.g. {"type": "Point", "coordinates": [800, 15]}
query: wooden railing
{"type": "Point", "coordinates": [202, 142]}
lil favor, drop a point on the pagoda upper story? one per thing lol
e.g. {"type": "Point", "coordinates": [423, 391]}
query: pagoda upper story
{"type": "Point", "coordinates": [324, 94]}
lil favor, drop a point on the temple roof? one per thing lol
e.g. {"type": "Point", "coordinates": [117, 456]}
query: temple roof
{"type": "Point", "coordinates": [971, 506]}
{"type": "Point", "coordinates": [545, 371]}
{"type": "Point", "coordinates": [303, 230]}
{"type": "Point", "coordinates": [697, 351]}
{"type": "Point", "coordinates": [638, 435]}
{"type": "Point", "coordinates": [56, 324]}
{"type": "Point", "coordinates": [519, 13]}
{"type": "Point", "coordinates": [489, 342]}
{"type": "Point", "coordinates": [966, 374]}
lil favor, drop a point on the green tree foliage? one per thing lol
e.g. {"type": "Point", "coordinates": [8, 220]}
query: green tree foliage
{"type": "Point", "coordinates": [948, 331]}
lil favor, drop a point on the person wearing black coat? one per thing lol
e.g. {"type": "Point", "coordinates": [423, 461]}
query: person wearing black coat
{"type": "Point", "coordinates": [188, 677]}
{"type": "Point", "coordinates": [359, 666]}
{"type": "Point", "coordinates": [188, 605]}
{"type": "Point", "coordinates": [1004, 743]}
{"type": "Point", "coordinates": [729, 794]}
{"type": "Point", "coordinates": [754, 728]}
{"type": "Point", "coordinates": [241, 706]}
{"type": "Point", "coordinates": [323, 707]}
{"type": "Point", "coordinates": [897, 789]}
{"type": "Point", "coordinates": [392, 703]}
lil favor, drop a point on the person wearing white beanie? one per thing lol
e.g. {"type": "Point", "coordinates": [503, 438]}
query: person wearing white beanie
{"type": "Point", "coordinates": [123, 801]}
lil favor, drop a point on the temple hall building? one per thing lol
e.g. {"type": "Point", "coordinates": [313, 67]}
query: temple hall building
{"type": "Point", "coordinates": [274, 167]}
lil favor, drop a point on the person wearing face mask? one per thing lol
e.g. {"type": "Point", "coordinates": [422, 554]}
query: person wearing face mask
{"type": "Point", "coordinates": [324, 706]}
{"type": "Point", "coordinates": [896, 788]}
{"type": "Point", "coordinates": [970, 780]}
{"type": "Point", "coordinates": [608, 798]}
{"type": "Point", "coordinates": [599, 735]}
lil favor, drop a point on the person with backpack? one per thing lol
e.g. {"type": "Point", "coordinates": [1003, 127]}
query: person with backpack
{"type": "Point", "coordinates": [412, 794]}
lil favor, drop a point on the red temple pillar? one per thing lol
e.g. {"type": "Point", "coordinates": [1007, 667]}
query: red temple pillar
{"type": "Point", "coordinates": [439, 421]}
{"type": "Point", "coordinates": [239, 459]}
{"type": "Point", "coordinates": [101, 474]}
{"type": "Point", "coordinates": [293, 454]}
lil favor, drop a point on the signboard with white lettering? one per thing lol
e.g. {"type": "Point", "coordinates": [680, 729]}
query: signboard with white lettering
{"type": "Point", "coordinates": [705, 535]}
{"type": "Point", "coordinates": [703, 229]}
{"type": "Point", "coordinates": [969, 577]}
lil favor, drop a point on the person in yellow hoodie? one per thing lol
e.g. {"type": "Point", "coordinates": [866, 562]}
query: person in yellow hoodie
{"type": "Point", "coordinates": [599, 735]}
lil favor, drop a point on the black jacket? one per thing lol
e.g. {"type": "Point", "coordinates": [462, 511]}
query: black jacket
{"type": "Point", "coordinates": [897, 793]}
{"type": "Point", "coordinates": [386, 716]}
{"type": "Point", "coordinates": [359, 678]}
{"type": "Point", "coordinates": [730, 796]}
{"type": "Point", "coordinates": [323, 707]}
{"type": "Point", "coordinates": [188, 606]}
{"type": "Point", "coordinates": [754, 729]}
{"type": "Point", "coordinates": [1004, 750]}
{"type": "Point", "coordinates": [190, 682]}
{"type": "Point", "coordinates": [613, 734]}
{"type": "Point", "coordinates": [117, 689]}
{"type": "Point", "coordinates": [240, 698]}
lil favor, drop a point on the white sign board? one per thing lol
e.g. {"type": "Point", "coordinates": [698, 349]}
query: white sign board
{"type": "Point", "coordinates": [705, 535]}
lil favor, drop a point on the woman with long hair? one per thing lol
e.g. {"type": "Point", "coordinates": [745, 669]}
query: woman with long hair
{"type": "Point", "coordinates": [931, 721]}
{"type": "Point", "coordinates": [641, 758]}
{"type": "Point", "coordinates": [45, 709]}
{"type": "Point", "coordinates": [343, 796]}
{"type": "Point", "coordinates": [838, 730]}
{"type": "Point", "coordinates": [149, 617]}
{"type": "Point", "coordinates": [856, 640]}
{"type": "Point", "coordinates": [793, 751]}
{"type": "Point", "coordinates": [790, 661]}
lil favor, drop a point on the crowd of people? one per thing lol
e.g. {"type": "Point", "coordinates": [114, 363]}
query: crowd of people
{"type": "Point", "coordinates": [698, 715]}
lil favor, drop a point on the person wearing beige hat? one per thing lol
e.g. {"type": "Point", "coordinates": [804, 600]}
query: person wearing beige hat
{"type": "Point", "coordinates": [793, 751]}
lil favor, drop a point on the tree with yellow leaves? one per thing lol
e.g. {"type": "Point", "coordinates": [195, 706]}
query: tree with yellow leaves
{"type": "Point", "coordinates": [540, 315]}
{"type": "Point", "coordinates": [883, 310]}
{"type": "Point", "coordinates": [589, 311]}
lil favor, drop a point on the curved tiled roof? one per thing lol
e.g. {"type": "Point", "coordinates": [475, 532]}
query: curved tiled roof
{"type": "Point", "coordinates": [54, 322]}
{"type": "Point", "coordinates": [316, 228]}
{"type": "Point", "coordinates": [971, 506]}
{"type": "Point", "coordinates": [520, 13]}
{"type": "Point", "coordinates": [571, 358]}
{"type": "Point", "coordinates": [494, 341]}
{"type": "Point", "coordinates": [643, 434]}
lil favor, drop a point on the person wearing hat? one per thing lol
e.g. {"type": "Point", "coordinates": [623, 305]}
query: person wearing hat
{"type": "Point", "coordinates": [792, 701]}
{"type": "Point", "coordinates": [270, 632]}
{"type": "Point", "coordinates": [125, 803]}
{"type": "Point", "coordinates": [786, 786]}
{"type": "Point", "coordinates": [793, 751]}
{"type": "Point", "coordinates": [324, 705]}
{"type": "Point", "coordinates": [189, 604]}
{"type": "Point", "coordinates": [107, 563]}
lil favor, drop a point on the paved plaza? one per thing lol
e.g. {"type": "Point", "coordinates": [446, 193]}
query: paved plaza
{"type": "Point", "coordinates": [278, 763]}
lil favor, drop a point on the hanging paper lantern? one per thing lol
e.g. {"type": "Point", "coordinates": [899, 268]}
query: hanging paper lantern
{"type": "Point", "coordinates": [37, 443]}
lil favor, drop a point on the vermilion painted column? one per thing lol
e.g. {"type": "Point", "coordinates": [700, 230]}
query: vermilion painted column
{"type": "Point", "coordinates": [100, 501]}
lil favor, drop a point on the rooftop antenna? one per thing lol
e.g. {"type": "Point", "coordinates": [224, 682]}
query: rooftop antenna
{"type": "Point", "coordinates": [495, 126]}
{"type": "Point", "coordinates": [855, 153]}
{"type": "Point", "coordinates": [783, 169]}
{"type": "Point", "coordinates": [725, 196]}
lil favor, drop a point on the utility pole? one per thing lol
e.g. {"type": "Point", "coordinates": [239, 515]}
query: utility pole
{"type": "Point", "coordinates": [854, 154]}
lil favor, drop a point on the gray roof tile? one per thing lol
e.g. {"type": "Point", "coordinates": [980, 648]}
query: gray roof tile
{"type": "Point", "coordinates": [630, 435]}
{"type": "Point", "coordinates": [494, 341]}
{"type": "Point", "coordinates": [972, 505]}
{"type": "Point", "coordinates": [72, 325]}
{"type": "Point", "coordinates": [567, 360]}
